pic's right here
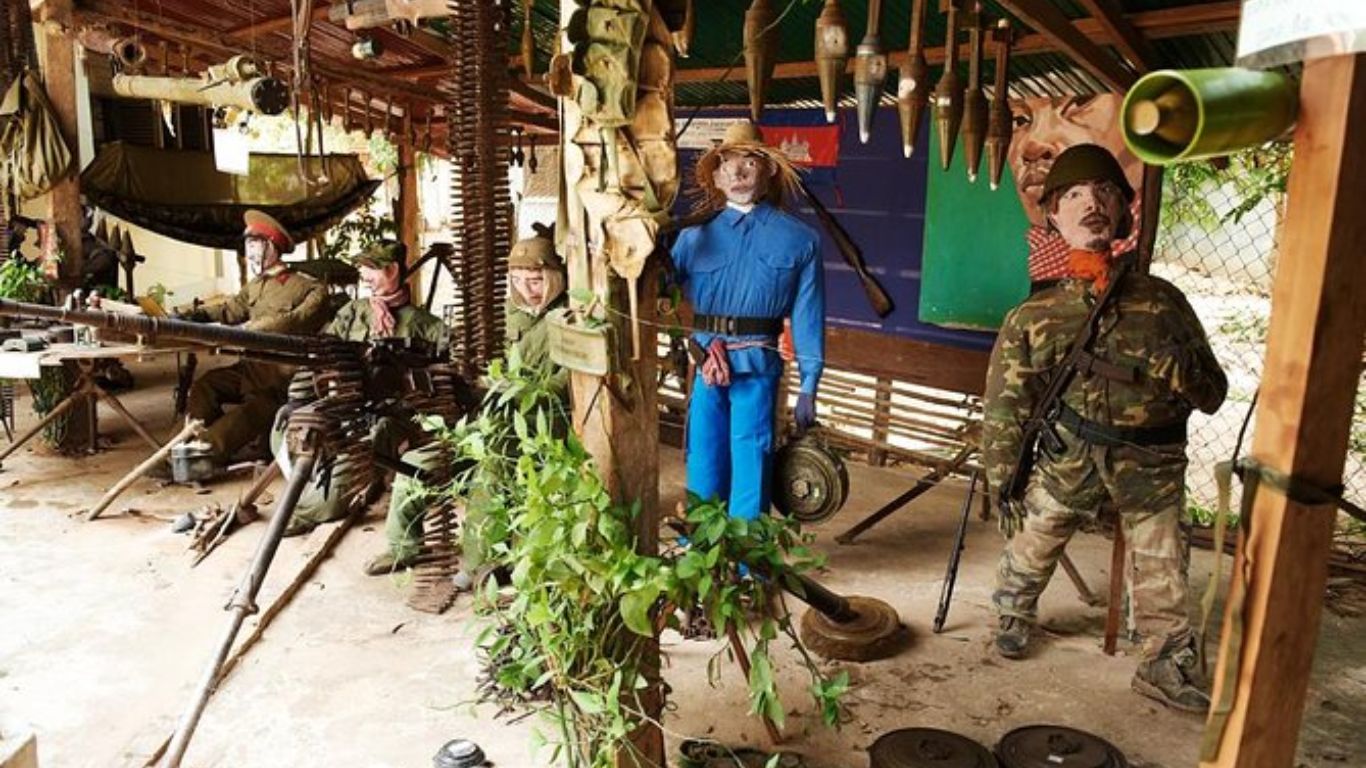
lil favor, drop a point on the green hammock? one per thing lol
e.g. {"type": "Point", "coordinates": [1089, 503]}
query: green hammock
{"type": "Point", "coordinates": [180, 194]}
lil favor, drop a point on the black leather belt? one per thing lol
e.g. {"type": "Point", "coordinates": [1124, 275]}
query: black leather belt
{"type": "Point", "coordinates": [738, 326]}
{"type": "Point", "coordinates": [1105, 434]}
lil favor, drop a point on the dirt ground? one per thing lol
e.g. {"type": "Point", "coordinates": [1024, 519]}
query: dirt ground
{"type": "Point", "coordinates": [104, 629]}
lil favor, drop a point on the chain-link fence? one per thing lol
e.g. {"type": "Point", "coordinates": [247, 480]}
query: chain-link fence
{"type": "Point", "coordinates": [1218, 244]}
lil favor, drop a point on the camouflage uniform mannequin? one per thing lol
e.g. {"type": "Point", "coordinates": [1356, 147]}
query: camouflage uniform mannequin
{"type": "Point", "coordinates": [536, 283]}
{"type": "Point", "coordinates": [1122, 428]}
{"type": "Point", "coordinates": [278, 300]}
{"type": "Point", "coordinates": [381, 269]}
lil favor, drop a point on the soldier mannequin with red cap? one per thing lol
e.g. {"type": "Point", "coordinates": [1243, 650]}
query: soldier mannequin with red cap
{"type": "Point", "coordinates": [275, 299]}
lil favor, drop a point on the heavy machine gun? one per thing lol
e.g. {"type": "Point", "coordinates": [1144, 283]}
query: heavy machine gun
{"type": "Point", "coordinates": [354, 382]}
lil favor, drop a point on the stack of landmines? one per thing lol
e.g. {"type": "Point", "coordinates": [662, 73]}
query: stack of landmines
{"type": "Point", "coordinates": [481, 208]}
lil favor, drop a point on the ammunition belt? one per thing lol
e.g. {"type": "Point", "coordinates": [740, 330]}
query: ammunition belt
{"type": "Point", "coordinates": [726, 325]}
{"type": "Point", "coordinates": [1113, 436]}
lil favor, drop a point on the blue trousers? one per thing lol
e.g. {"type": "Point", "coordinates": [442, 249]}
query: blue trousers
{"type": "Point", "coordinates": [730, 442]}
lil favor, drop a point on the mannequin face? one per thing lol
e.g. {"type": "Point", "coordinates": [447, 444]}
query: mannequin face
{"type": "Point", "coordinates": [379, 280]}
{"type": "Point", "coordinates": [1087, 214]}
{"type": "Point", "coordinates": [529, 284]}
{"type": "Point", "coordinates": [743, 177]}
{"type": "Point", "coordinates": [261, 255]}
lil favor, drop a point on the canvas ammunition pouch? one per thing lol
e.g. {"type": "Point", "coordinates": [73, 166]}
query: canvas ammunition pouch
{"type": "Point", "coordinates": [607, 36]}
{"type": "Point", "coordinates": [726, 325]}
{"type": "Point", "coordinates": [1095, 433]}
{"type": "Point", "coordinates": [34, 155]}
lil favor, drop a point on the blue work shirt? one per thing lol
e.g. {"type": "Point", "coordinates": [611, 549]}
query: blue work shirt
{"type": "Point", "coordinates": [765, 263]}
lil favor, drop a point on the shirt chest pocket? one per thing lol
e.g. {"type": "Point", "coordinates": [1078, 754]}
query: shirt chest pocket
{"type": "Point", "coordinates": [780, 268]}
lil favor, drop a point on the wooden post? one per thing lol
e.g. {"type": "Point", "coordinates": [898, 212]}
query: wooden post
{"type": "Point", "coordinates": [616, 417]}
{"type": "Point", "coordinates": [406, 210]}
{"type": "Point", "coordinates": [59, 79]}
{"type": "Point", "coordinates": [1313, 365]}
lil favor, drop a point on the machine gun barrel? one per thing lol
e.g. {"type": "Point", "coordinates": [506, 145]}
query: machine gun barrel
{"type": "Point", "coordinates": [302, 347]}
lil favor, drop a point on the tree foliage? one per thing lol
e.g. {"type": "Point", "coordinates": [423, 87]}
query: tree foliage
{"type": "Point", "coordinates": [1250, 177]}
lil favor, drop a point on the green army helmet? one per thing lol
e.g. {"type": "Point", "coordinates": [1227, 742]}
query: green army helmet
{"type": "Point", "coordinates": [534, 253]}
{"type": "Point", "coordinates": [382, 254]}
{"type": "Point", "coordinates": [1085, 162]}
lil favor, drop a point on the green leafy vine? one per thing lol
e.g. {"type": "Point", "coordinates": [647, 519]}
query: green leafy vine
{"type": "Point", "coordinates": [23, 280]}
{"type": "Point", "coordinates": [571, 635]}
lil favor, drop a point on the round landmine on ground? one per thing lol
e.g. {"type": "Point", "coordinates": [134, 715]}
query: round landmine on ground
{"type": "Point", "coordinates": [875, 633]}
{"type": "Point", "coordinates": [928, 748]}
{"type": "Point", "coordinates": [1057, 746]}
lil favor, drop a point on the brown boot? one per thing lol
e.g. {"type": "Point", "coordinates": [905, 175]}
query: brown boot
{"type": "Point", "coordinates": [1173, 679]}
{"type": "Point", "coordinates": [1012, 637]}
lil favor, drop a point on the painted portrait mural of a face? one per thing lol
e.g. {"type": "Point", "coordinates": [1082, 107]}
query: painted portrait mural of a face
{"type": "Point", "coordinates": [1045, 127]}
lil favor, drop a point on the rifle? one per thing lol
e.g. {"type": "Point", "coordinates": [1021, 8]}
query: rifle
{"type": "Point", "coordinates": [877, 297]}
{"type": "Point", "coordinates": [1039, 427]}
{"type": "Point", "coordinates": [955, 556]}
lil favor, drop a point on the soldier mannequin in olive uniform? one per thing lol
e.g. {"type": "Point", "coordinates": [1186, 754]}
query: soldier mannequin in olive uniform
{"type": "Point", "coordinates": [1122, 427]}
{"type": "Point", "coordinates": [536, 283]}
{"type": "Point", "coordinates": [276, 299]}
{"type": "Point", "coordinates": [387, 312]}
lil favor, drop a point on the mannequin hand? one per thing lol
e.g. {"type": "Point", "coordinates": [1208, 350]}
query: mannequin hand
{"type": "Point", "coordinates": [805, 412]}
{"type": "Point", "coordinates": [1011, 518]}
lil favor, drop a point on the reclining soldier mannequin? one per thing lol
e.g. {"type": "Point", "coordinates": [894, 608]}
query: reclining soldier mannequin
{"type": "Point", "coordinates": [536, 283]}
{"type": "Point", "coordinates": [276, 299]}
{"type": "Point", "coordinates": [1121, 428]}
{"type": "Point", "coordinates": [387, 313]}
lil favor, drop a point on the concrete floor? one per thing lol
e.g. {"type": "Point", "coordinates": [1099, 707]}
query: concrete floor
{"type": "Point", "coordinates": [104, 628]}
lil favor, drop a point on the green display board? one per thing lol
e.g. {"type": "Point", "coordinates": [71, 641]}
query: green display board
{"type": "Point", "coordinates": [975, 267]}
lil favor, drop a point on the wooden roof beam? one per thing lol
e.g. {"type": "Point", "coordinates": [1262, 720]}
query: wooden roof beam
{"type": "Point", "coordinates": [1124, 35]}
{"type": "Point", "coordinates": [1155, 25]}
{"type": "Point", "coordinates": [273, 24]}
{"type": "Point", "coordinates": [1045, 18]}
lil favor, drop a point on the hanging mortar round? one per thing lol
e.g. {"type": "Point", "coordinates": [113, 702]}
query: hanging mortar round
{"type": "Point", "coordinates": [761, 53]}
{"type": "Point", "coordinates": [870, 72]}
{"type": "Point", "coordinates": [682, 37]}
{"type": "Point", "coordinates": [974, 99]}
{"type": "Point", "coordinates": [832, 54]}
{"type": "Point", "coordinates": [948, 94]}
{"type": "Point", "coordinates": [1000, 126]}
{"type": "Point", "coordinates": [913, 89]}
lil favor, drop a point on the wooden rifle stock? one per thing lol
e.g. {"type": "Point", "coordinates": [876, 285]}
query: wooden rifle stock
{"type": "Point", "coordinates": [877, 297]}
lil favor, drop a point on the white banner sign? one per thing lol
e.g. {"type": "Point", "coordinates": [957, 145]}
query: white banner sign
{"type": "Point", "coordinates": [704, 132]}
{"type": "Point", "coordinates": [230, 151]}
{"type": "Point", "coordinates": [1276, 32]}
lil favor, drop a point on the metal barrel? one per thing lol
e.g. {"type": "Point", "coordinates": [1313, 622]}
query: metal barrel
{"type": "Point", "coordinates": [182, 330]}
{"type": "Point", "coordinates": [242, 605]}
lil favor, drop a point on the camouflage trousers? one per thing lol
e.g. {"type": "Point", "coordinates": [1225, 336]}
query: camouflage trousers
{"type": "Point", "coordinates": [1150, 499]}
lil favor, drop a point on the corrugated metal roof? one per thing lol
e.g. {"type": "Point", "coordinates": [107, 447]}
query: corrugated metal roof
{"type": "Point", "coordinates": [718, 44]}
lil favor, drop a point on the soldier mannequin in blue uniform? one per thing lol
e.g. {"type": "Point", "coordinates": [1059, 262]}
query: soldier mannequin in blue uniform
{"type": "Point", "coordinates": [744, 271]}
